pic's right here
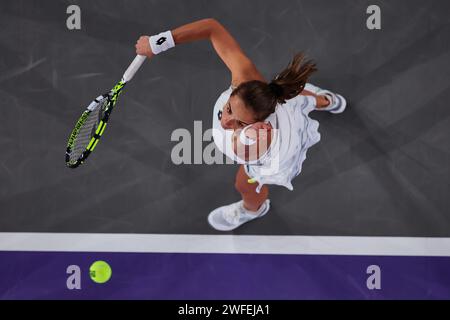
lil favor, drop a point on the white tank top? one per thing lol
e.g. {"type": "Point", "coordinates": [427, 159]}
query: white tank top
{"type": "Point", "coordinates": [223, 138]}
{"type": "Point", "coordinates": [294, 133]}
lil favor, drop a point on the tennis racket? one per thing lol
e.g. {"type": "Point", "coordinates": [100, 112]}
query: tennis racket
{"type": "Point", "coordinates": [92, 123]}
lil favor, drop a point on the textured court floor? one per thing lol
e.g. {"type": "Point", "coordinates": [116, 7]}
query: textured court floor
{"type": "Point", "coordinates": [381, 169]}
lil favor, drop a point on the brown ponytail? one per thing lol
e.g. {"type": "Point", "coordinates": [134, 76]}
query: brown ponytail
{"type": "Point", "coordinates": [262, 97]}
{"type": "Point", "coordinates": [292, 80]}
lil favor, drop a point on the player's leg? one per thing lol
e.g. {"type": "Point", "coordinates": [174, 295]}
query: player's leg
{"type": "Point", "coordinates": [253, 205]}
{"type": "Point", "coordinates": [251, 199]}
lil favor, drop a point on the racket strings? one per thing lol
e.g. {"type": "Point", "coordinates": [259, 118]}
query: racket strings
{"type": "Point", "coordinates": [88, 129]}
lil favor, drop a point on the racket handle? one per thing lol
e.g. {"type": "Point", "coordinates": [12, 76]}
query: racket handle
{"type": "Point", "coordinates": [133, 68]}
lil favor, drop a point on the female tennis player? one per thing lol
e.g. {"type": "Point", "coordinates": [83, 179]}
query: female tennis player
{"type": "Point", "coordinates": [262, 125]}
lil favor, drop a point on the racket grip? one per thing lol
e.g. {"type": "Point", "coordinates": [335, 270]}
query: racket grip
{"type": "Point", "coordinates": [133, 68]}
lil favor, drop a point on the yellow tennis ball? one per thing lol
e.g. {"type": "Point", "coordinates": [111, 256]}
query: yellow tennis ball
{"type": "Point", "coordinates": [100, 272]}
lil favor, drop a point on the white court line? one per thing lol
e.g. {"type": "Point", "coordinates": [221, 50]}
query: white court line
{"type": "Point", "coordinates": [172, 243]}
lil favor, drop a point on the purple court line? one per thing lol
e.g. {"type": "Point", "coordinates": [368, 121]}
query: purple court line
{"type": "Point", "coordinates": [42, 275]}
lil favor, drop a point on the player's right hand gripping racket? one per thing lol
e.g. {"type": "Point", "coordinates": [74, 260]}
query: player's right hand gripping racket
{"type": "Point", "coordinates": [92, 123]}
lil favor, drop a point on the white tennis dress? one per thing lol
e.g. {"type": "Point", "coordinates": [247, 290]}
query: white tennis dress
{"type": "Point", "coordinates": [294, 133]}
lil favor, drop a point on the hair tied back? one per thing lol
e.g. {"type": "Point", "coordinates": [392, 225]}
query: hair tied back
{"type": "Point", "coordinates": [276, 89]}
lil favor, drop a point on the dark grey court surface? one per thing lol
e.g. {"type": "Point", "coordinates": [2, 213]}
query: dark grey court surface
{"type": "Point", "coordinates": [381, 169]}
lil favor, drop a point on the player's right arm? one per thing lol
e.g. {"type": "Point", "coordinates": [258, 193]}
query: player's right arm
{"type": "Point", "coordinates": [241, 67]}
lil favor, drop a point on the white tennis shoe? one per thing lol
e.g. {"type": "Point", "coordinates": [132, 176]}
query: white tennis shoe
{"type": "Point", "coordinates": [230, 217]}
{"type": "Point", "coordinates": [337, 102]}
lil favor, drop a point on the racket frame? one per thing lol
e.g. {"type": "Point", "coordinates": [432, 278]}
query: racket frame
{"type": "Point", "coordinates": [112, 97]}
